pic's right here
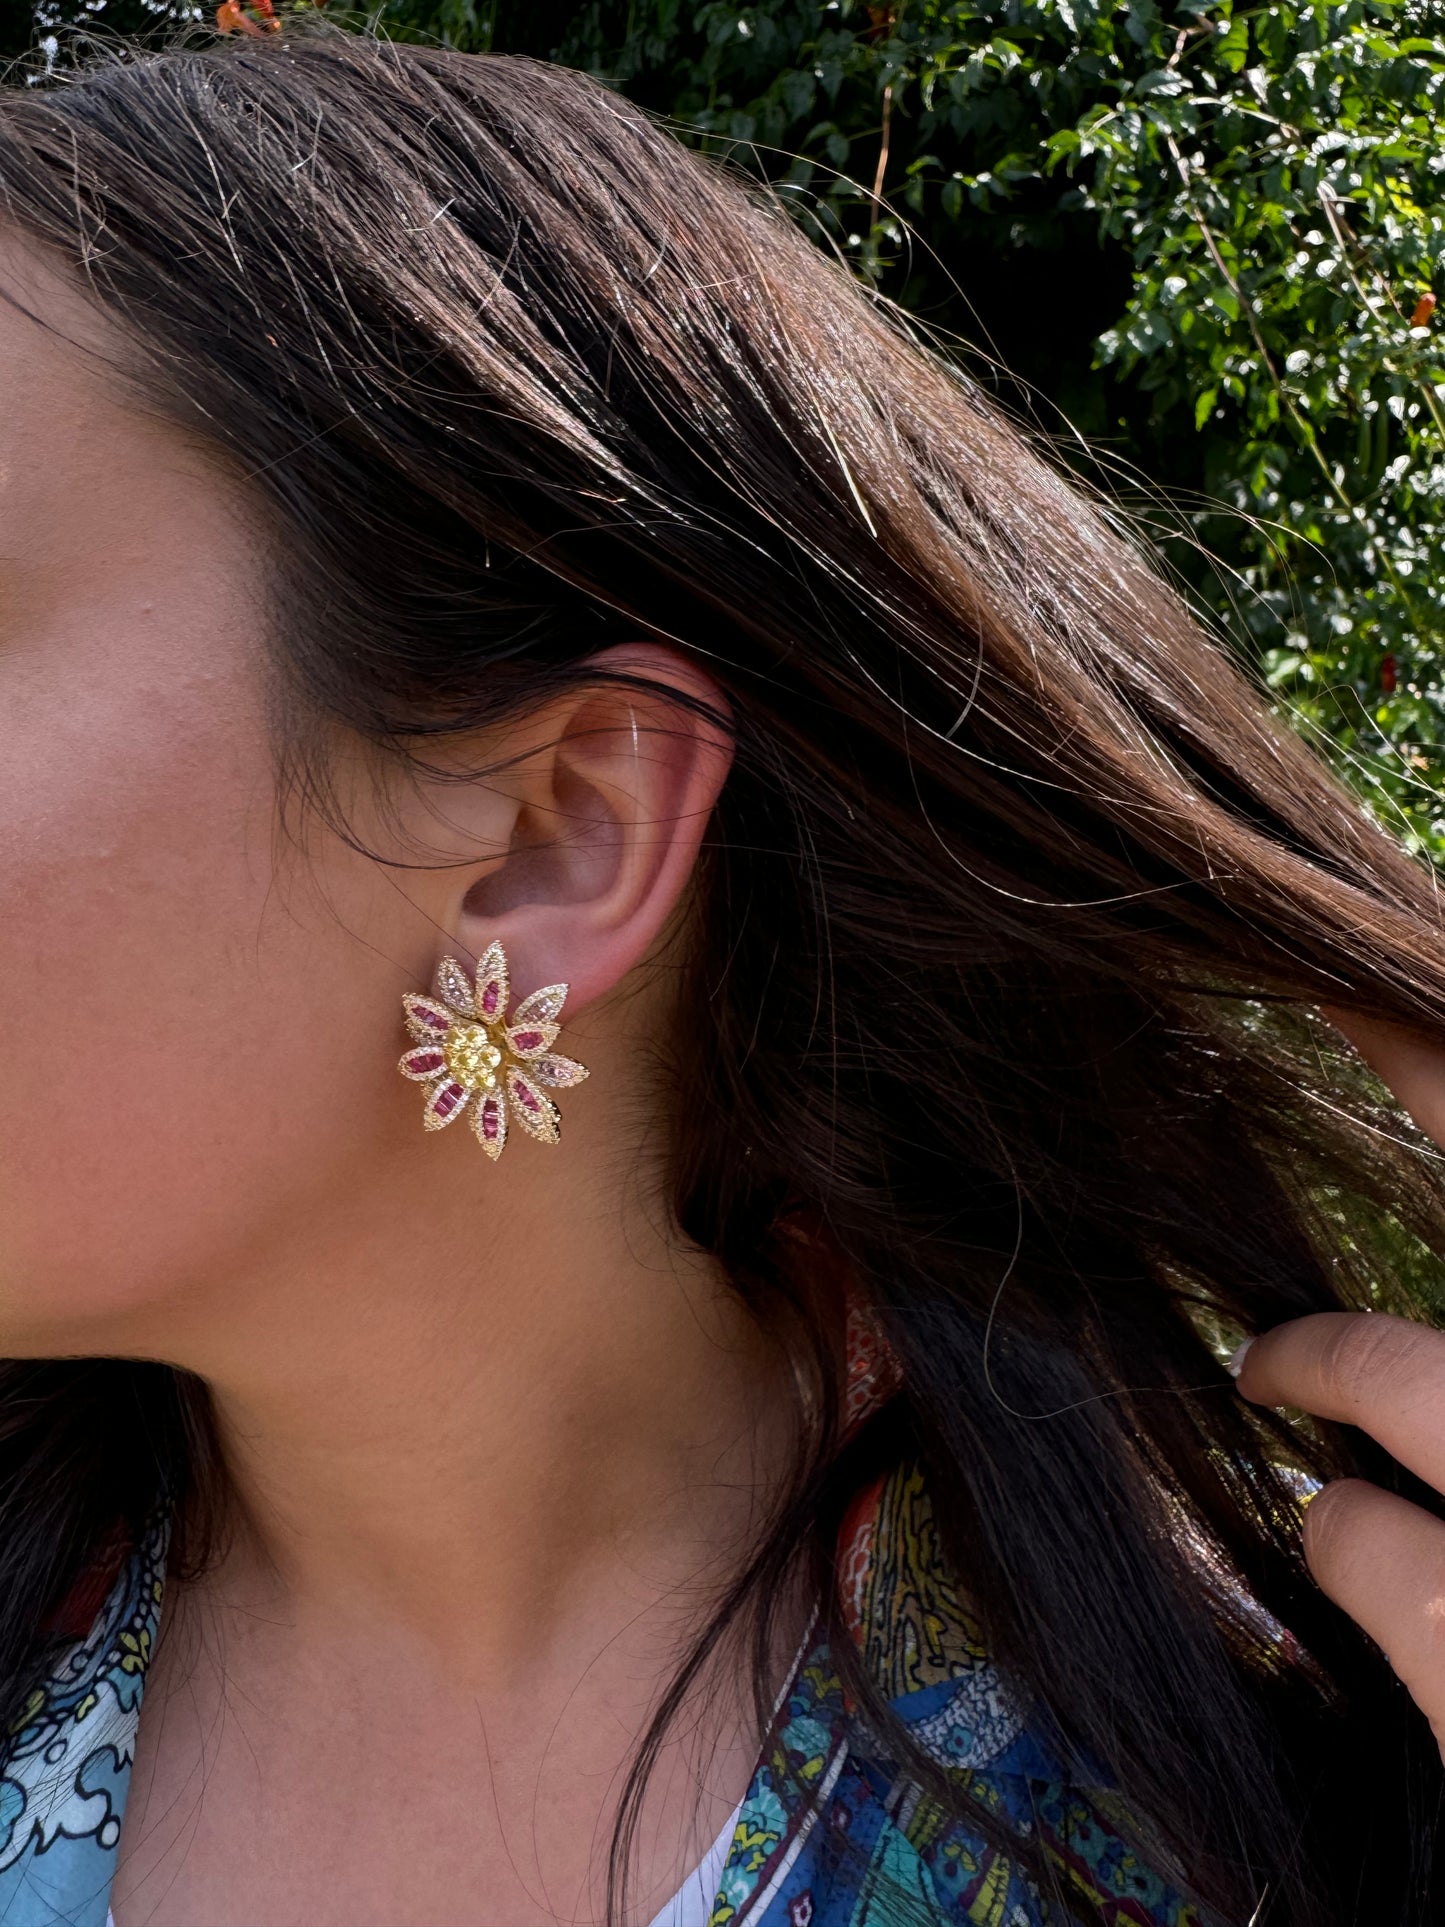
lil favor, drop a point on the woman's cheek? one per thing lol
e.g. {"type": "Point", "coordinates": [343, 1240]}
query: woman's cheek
{"type": "Point", "coordinates": [162, 1045]}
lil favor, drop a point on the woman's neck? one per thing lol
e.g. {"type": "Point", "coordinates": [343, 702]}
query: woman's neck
{"type": "Point", "coordinates": [468, 1424]}
{"type": "Point", "coordinates": [485, 1500]}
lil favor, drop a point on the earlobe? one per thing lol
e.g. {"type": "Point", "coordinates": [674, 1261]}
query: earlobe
{"type": "Point", "coordinates": [617, 799]}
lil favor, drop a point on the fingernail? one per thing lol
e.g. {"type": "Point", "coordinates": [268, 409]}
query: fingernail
{"type": "Point", "coordinates": [1235, 1365]}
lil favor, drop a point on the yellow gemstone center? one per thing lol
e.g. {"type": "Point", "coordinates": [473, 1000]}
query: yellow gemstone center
{"type": "Point", "coordinates": [472, 1057]}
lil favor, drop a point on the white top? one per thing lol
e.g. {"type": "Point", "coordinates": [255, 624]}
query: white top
{"type": "Point", "coordinates": [691, 1905]}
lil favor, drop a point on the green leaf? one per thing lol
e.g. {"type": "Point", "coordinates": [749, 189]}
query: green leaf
{"type": "Point", "coordinates": [1231, 49]}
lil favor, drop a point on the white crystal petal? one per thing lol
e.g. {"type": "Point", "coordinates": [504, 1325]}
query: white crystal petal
{"type": "Point", "coordinates": [542, 1007]}
{"type": "Point", "coordinates": [454, 986]}
{"type": "Point", "coordinates": [560, 1073]}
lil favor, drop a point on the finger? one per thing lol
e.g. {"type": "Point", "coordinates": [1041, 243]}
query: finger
{"type": "Point", "coordinates": [1383, 1560]}
{"type": "Point", "coordinates": [1413, 1068]}
{"type": "Point", "coordinates": [1384, 1374]}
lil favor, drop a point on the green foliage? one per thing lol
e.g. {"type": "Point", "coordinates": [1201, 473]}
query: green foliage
{"type": "Point", "coordinates": [1273, 177]}
{"type": "Point", "coordinates": [1279, 179]}
{"type": "Point", "coordinates": [1205, 236]}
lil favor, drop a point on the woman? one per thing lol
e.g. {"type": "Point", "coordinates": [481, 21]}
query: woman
{"type": "Point", "coordinates": [482, 593]}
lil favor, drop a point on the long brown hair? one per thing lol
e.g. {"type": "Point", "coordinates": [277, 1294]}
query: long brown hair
{"type": "Point", "coordinates": [1009, 927]}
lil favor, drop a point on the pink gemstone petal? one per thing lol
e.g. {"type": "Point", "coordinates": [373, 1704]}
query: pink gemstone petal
{"type": "Point", "coordinates": [445, 1105]}
{"type": "Point", "coordinates": [423, 1063]}
{"type": "Point", "coordinates": [530, 1040]}
{"type": "Point", "coordinates": [424, 1017]}
{"type": "Point", "coordinates": [489, 1121]}
{"type": "Point", "coordinates": [491, 996]}
{"type": "Point", "coordinates": [532, 1108]}
{"type": "Point", "coordinates": [542, 1007]}
{"type": "Point", "coordinates": [454, 986]}
{"type": "Point", "coordinates": [558, 1072]}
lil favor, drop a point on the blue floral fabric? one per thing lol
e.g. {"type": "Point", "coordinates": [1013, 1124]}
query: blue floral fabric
{"type": "Point", "coordinates": [828, 1835]}
{"type": "Point", "coordinates": [65, 1763]}
{"type": "Point", "coordinates": [832, 1835]}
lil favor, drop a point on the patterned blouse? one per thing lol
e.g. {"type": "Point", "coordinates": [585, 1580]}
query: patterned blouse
{"type": "Point", "coordinates": [827, 1828]}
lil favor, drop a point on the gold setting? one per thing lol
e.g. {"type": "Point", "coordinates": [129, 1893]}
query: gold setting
{"type": "Point", "coordinates": [468, 1049]}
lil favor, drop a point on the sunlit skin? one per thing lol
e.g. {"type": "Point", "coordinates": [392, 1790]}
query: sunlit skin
{"type": "Point", "coordinates": [496, 1433]}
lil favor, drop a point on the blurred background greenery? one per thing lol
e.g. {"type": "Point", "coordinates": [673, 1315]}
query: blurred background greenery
{"type": "Point", "coordinates": [1197, 246]}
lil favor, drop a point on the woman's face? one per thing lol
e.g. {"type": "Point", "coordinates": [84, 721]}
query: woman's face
{"type": "Point", "coordinates": [197, 1037]}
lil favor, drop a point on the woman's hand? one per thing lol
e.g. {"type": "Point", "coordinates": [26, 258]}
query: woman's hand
{"type": "Point", "coordinates": [1376, 1555]}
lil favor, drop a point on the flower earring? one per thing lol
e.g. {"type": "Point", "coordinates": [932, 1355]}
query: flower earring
{"type": "Point", "coordinates": [469, 1047]}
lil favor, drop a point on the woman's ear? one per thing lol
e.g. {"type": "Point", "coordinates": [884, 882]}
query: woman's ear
{"type": "Point", "coordinates": [613, 788]}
